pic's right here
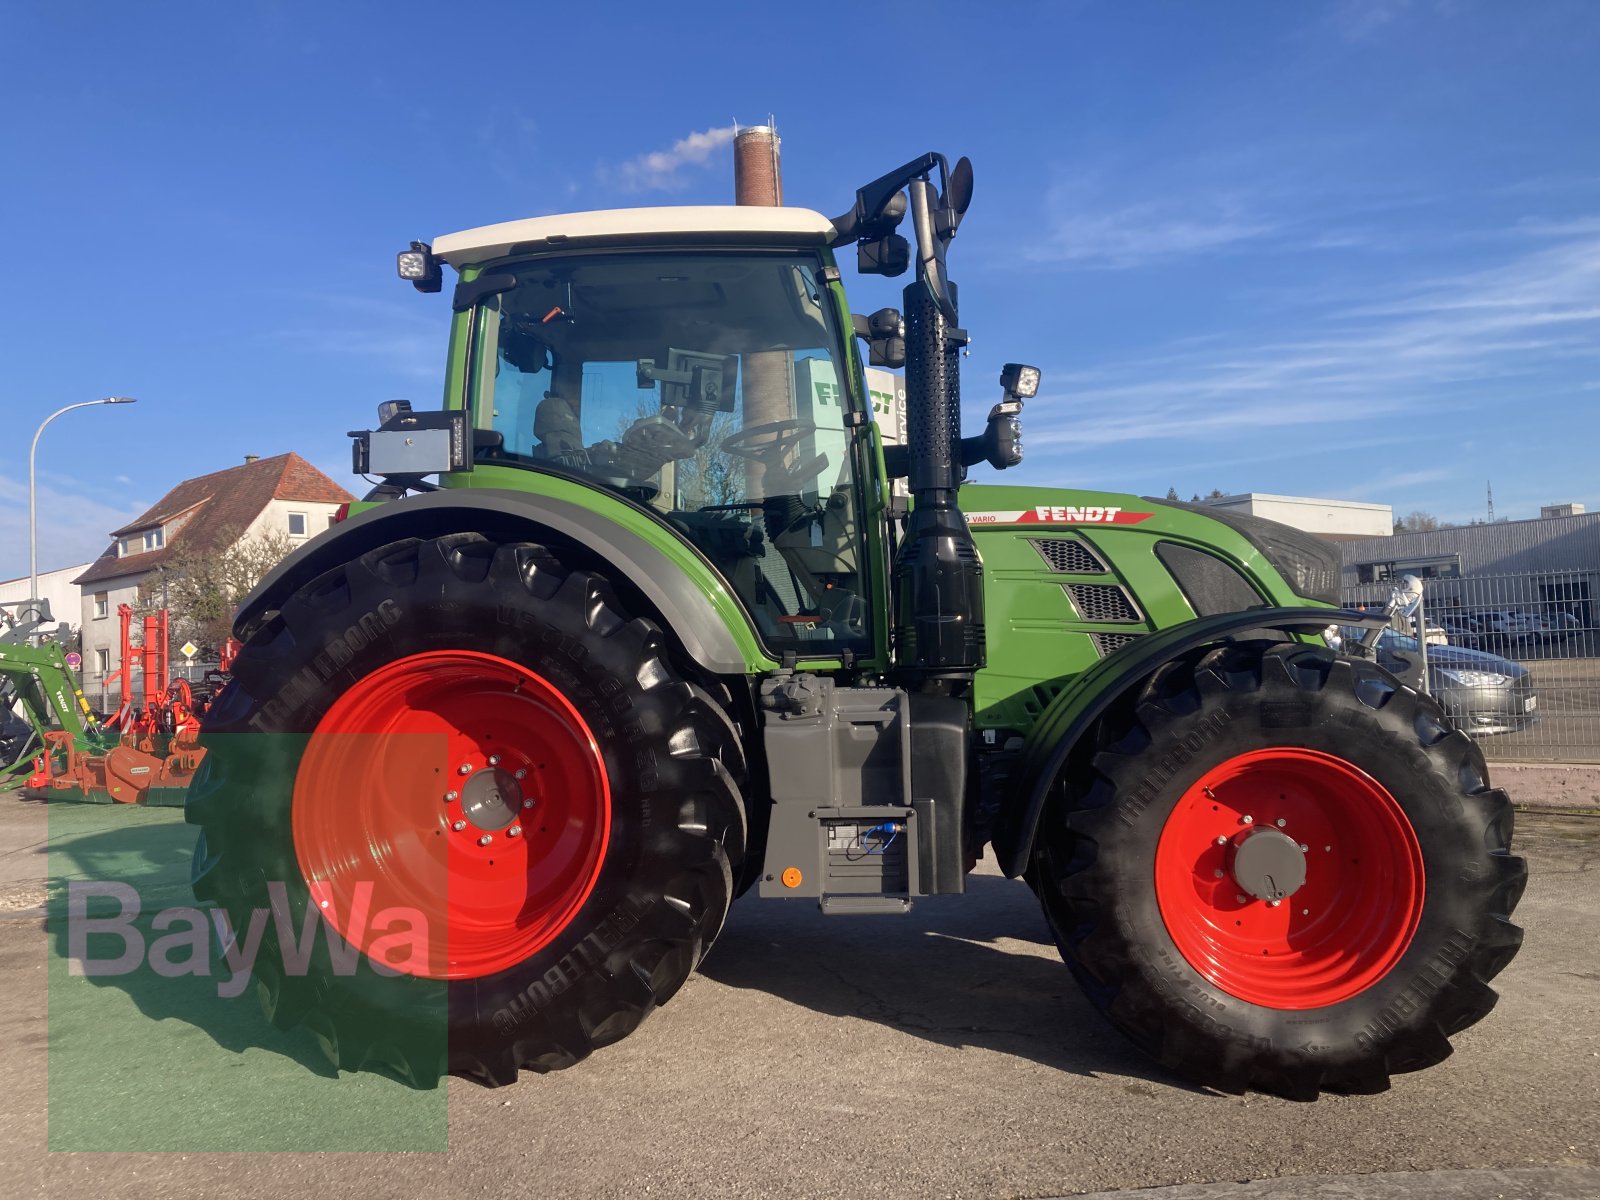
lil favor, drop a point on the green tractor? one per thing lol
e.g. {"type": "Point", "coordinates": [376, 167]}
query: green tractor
{"type": "Point", "coordinates": [653, 612]}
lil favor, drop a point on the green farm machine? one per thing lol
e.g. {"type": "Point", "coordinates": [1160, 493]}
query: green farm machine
{"type": "Point", "coordinates": [54, 746]}
{"type": "Point", "coordinates": [653, 612]}
{"type": "Point", "coordinates": [41, 705]}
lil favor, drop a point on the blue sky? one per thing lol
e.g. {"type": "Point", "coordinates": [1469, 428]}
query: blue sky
{"type": "Point", "coordinates": [1347, 249]}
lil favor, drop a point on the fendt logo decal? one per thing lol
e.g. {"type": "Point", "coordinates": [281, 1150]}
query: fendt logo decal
{"type": "Point", "coordinates": [1056, 514]}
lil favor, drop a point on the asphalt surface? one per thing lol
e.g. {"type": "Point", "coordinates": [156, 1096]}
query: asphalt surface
{"type": "Point", "coordinates": [947, 1053]}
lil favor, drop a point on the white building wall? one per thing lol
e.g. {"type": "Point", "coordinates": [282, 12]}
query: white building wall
{"type": "Point", "coordinates": [275, 518]}
{"type": "Point", "coordinates": [1352, 518]}
{"type": "Point", "coordinates": [102, 635]}
{"type": "Point", "coordinates": [54, 586]}
{"type": "Point", "coordinates": [887, 391]}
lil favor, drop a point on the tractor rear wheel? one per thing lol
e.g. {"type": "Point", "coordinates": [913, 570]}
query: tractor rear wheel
{"type": "Point", "coordinates": [509, 820]}
{"type": "Point", "coordinates": [1284, 870]}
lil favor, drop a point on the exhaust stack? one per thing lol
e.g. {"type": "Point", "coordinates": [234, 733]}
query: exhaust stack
{"type": "Point", "coordinates": [938, 577]}
{"type": "Point", "coordinates": [757, 166]}
{"type": "Point", "coordinates": [769, 375]}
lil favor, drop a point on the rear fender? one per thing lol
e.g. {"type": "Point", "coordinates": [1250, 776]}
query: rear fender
{"type": "Point", "coordinates": [691, 602]}
{"type": "Point", "coordinates": [1075, 710]}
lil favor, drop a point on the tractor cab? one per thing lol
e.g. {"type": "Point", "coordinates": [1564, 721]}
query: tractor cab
{"type": "Point", "coordinates": [712, 383]}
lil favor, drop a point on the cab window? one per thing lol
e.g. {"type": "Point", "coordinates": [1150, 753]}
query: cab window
{"type": "Point", "coordinates": [707, 387]}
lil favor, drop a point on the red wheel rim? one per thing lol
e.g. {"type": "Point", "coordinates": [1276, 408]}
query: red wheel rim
{"type": "Point", "coordinates": [1340, 931]}
{"type": "Point", "coordinates": [451, 791]}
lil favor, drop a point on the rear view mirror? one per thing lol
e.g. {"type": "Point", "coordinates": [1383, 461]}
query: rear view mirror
{"type": "Point", "coordinates": [1406, 596]}
{"type": "Point", "coordinates": [889, 255]}
{"type": "Point", "coordinates": [884, 332]}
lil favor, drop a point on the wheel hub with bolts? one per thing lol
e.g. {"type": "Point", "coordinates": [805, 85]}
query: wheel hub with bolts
{"type": "Point", "coordinates": [1269, 865]}
{"type": "Point", "coordinates": [493, 798]}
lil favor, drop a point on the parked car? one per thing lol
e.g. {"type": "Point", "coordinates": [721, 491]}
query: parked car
{"type": "Point", "coordinates": [1462, 631]}
{"type": "Point", "coordinates": [1437, 634]}
{"type": "Point", "coordinates": [1501, 631]}
{"type": "Point", "coordinates": [1526, 624]}
{"type": "Point", "coordinates": [1564, 624]}
{"type": "Point", "coordinates": [1481, 693]}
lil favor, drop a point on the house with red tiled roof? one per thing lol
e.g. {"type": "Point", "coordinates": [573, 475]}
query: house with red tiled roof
{"type": "Point", "coordinates": [284, 493]}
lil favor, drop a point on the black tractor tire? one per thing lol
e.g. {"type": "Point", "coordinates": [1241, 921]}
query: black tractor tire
{"type": "Point", "coordinates": [662, 878]}
{"type": "Point", "coordinates": [1096, 871]}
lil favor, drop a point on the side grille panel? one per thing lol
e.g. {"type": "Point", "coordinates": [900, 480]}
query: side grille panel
{"type": "Point", "coordinates": [1069, 556]}
{"type": "Point", "coordinates": [1102, 602]}
{"type": "Point", "coordinates": [1110, 643]}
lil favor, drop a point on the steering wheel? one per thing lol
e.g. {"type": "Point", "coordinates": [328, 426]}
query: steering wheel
{"type": "Point", "coordinates": [646, 446]}
{"type": "Point", "coordinates": [771, 443]}
{"type": "Point", "coordinates": [658, 438]}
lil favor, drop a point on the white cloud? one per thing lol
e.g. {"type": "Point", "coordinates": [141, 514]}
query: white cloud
{"type": "Point", "coordinates": [1137, 234]}
{"type": "Point", "coordinates": [1358, 20]}
{"type": "Point", "coordinates": [661, 170]}
{"type": "Point", "coordinates": [74, 526]}
{"type": "Point", "coordinates": [405, 339]}
{"type": "Point", "coordinates": [1426, 346]}
{"type": "Point", "coordinates": [1383, 485]}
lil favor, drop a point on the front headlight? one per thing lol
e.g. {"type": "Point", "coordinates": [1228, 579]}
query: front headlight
{"type": "Point", "coordinates": [1309, 565]}
{"type": "Point", "coordinates": [1475, 678]}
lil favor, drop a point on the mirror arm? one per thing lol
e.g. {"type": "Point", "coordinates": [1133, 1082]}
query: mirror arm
{"type": "Point", "coordinates": [873, 200]}
{"type": "Point", "coordinates": [930, 248]}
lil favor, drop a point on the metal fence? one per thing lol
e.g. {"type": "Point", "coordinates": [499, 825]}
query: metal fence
{"type": "Point", "coordinates": [1514, 659]}
{"type": "Point", "coordinates": [105, 700]}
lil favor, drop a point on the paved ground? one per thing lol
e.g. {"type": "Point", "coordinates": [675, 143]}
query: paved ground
{"type": "Point", "coordinates": [1565, 787]}
{"type": "Point", "coordinates": [947, 1053]}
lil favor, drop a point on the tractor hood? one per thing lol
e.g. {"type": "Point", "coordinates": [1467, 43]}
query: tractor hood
{"type": "Point", "coordinates": [1285, 565]}
{"type": "Point", "coordinates": [1071, 577]}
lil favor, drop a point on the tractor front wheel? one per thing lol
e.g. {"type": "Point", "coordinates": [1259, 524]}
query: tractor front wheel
{"type": "Point", "coordinates": [1282, 869]}
{"type": "Point", "coordinates": [464, 813]}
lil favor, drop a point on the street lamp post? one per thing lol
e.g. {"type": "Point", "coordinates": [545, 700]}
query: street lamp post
{"type": "Point", "coordinates": [33, 505]}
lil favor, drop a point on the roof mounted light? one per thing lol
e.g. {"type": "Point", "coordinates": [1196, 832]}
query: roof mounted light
{"type": "Point", "coordinates": [1019, 380]}
{"type": "Point", "coordinates": [388, 410]}
{"type": "Point", "coordinates": [419, 266]}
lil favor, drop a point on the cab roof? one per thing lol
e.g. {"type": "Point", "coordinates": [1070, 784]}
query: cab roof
{"type": "Point", "coordinates": [714, 223]}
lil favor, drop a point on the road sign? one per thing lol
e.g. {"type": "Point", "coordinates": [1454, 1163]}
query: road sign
{"type": "Point", "coordinates": [74, 659]}
{"type": "Point", "coordinates": [188, 650]}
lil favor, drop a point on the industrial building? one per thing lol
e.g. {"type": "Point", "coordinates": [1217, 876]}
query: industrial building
{"type": "Point", "coordinates": [56, 589]}
{"type": "Point", "coordinates": [1548, 561]}
{"type": "Point", "coordinates": [1337, 519]}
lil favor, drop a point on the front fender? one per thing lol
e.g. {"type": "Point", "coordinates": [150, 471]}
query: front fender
{"type": "Point", "coordinates": [692, 603]}
{"type": "Point", "coordinates": [1074, 711]}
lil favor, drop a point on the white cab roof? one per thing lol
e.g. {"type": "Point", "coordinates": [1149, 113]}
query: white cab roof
{"type": "Point", "coordinates": [788, 226]}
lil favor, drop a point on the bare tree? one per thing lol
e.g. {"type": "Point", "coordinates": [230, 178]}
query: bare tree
{"type": "Point", "coordinates": [201, 588]}
{"type": "Point", "coordinates": [1416, 522]}
{"type": "Point", "coordinates": [712, 476]}
{"type": "Point", "coordinates": [709, 475]}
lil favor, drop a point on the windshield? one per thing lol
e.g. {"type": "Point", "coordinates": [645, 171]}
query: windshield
{"type": "Point", "coordinates": [705, 386]}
